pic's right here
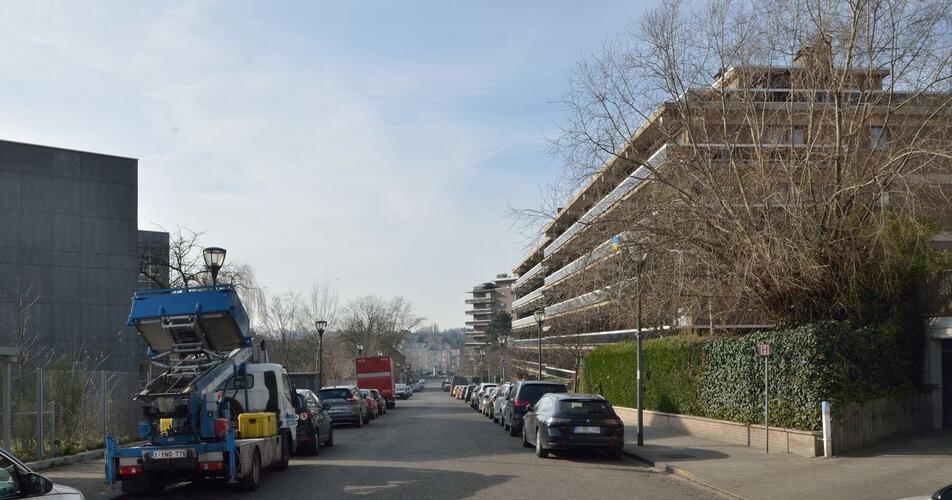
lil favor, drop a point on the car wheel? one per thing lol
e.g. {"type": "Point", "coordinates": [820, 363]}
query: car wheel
{"type": "Point", "coordinates": [360, 420]}
{"type": "Point", "coordinates": [615, 453]}
{"type": "Point", "coordinates": [525, 439]}
{"type": "Point", "coordinates": [330, 439]}
{"type": "Point", "coordinates": [251, 480]}
{"type": "Point", "coordinates": [541, 452]}
{"type": "Point", "coordinates": [512, 430]}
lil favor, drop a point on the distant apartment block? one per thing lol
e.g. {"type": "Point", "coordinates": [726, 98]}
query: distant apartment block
{"type": "Point", "coordinates": [488, 300]}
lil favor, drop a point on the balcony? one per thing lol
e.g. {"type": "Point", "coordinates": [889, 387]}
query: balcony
{"type": "Point", "coordinates": [624, 187]}
{"type": "Point", "coordinates": [480, 300]}
{"type": "Point", "coordinates": [523, 323]}
{"type": "Point", "coordinates": [580, 263]}
{"type": "Point", "coordinates": [527, 300]}
{"type": "Point", "coordinates": [531, 273]}
{"type": "Point", "coordinates": [588, 299]}
{"type": "Point", "coordinates": [477, 312]}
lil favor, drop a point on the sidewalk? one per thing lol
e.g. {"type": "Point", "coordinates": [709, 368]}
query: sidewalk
{"type": "Point", "coordinates": [900, 468]}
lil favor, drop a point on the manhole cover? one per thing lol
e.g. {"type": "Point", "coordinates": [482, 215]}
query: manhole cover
{"type": "Point", "coordinates": [679, 455]}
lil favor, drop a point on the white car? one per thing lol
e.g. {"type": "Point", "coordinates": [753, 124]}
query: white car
{"type": "Point", "coordinates": [18, 481]}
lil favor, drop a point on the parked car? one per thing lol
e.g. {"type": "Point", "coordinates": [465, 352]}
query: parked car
{"type": "Point", "coordinates": [445, 385]}
{"type": "Point", "coordinates": [315, 427]}
{"type": "Point", "coordinates": [417, 387]}
{"type": "Point", "coordinates": [501, 394]}
{"type": "Point", "coordinates": [373, 409]}
{"type": "Point", "coordinates": [526, 393]}
{"type": "Point", "coordinates": [468, 392]}
{"type": "Point", "coordinates": [401, 391]}
{"type": "Point", "coordinates": [381, 401]}
{"type": "Point", "coordinates": [18, 481]}
{"type": "Point", "coordinates": [573, 421]}
{"type": "Point", "coordinates": [344, 405]}
{"type": "Point", "coordinates": [480, 396]}
{"type": "Point", "coordinates": [486, 407]}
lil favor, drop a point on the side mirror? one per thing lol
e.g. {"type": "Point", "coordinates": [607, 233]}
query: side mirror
{"type": "Point", "coordinates": [38, 484]}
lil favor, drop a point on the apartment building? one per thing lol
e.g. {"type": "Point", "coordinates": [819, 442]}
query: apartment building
{"type": "Point", "coordinates": [561, 274]}
{"type": "Point", "coordinates": [488, 300]}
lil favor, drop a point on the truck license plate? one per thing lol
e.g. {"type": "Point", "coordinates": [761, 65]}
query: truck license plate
{"type": "Point", "coordinates": [164, 454]}
{"type": "Point", "coordinates": [588, 430]}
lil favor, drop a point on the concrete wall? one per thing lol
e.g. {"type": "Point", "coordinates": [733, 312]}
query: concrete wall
{"type": "Point", "coordinates": [68, 236]}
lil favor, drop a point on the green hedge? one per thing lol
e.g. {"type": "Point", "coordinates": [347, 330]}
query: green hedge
{"type": "Point", "coordinates": [723, 378]}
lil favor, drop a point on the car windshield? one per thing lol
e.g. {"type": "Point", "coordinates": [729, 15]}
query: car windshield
{"type": "Point", "coordinates": [334, 394]}
{"type": "Point", "coordinates": [584, 407]}
{"type": "Point", "coordinates": [532, 392]}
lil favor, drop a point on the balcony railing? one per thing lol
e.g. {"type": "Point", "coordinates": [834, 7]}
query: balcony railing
{"type": "Point", "coordinates": [579, 302]}
{"type": "Point", "coordinates": [531, 273]}
{"type": "Point", "coordinates": [523, 322]}
{"type": "Point", "coordinates": [594, 256]}
{"type": "Point", "coordinates": [624, 187]}
{"type": "Point", "coordinates": [479, 300]}
{"type": "Point", "coordinates": [527, 299]}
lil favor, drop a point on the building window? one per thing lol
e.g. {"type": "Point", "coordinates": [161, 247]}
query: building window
{"type": "Point", "coordinates": [798, 136]}
{"type": "Point", "coordinates": [878, 137]}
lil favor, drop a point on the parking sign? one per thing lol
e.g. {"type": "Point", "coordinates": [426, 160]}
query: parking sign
{"type": "Point", "coordinates": [764, 350]}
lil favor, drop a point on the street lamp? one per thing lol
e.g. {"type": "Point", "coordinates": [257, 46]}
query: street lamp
{"type": "Point", "coordinates": [360, 349]}
{"type": "Point", "coordinates": [214, 259]}
{"type": "Point", "coordinates": [502, 362]}
{"type": "Point", "coordinates": [639, 259]}
{"type": "Point", "coordinates": [482, 364]}
{"type": "Point", "coordinates": [540, 317]}
{"type": "Point", "coordinates": [320, 325]}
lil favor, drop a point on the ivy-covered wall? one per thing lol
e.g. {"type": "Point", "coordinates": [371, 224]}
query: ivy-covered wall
{"type": "Point", "coordinates": [723, 378]}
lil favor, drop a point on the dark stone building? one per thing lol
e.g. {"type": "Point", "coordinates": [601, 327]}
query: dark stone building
{"type": "Point", "coordinates": [68, 254]}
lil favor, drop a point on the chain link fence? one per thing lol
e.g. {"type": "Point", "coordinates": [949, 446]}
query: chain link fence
{"type": "Point", "coordinates": [50, 413]}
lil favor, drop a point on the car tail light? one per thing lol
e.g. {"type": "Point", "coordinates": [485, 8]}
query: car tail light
{"type": "Point", "coordinates": [303, 416]}
{"type": "Point", "coordinates": [210, 466]}
{"type": "Point", "coordinates": [130, 470]}
{"type": "Point", "coordinates": [520, 403]}
{"type": "Point", "coordinates": [612, 421]}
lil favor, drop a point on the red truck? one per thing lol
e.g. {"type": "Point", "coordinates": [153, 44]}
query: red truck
{"type": "Point", "coordinates": [376, 372]}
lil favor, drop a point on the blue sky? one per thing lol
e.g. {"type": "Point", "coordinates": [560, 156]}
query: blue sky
{"type": "Point", "coordinates": [377, 143]}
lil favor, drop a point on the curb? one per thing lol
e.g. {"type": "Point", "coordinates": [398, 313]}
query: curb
{"type": "Point", "coordinates": [682, 473]}
{"type": "Point", "coordinates": [50, 463]}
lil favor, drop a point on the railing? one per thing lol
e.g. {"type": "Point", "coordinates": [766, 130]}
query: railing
{"type": "Point", "coordinates": [624, 187]}
{"type": "Point", "coordinates": [531, 273]}
{"type": "Point", "coordinates": [479, 300]}
{"type": "Point", "coordinates": [596, 254]}
{"type": "Point", "coordinates": [527, 299]}
{"type": "Point", "coordinates": [523, 322]}
{"type": "Point", "coordinates": [579, 302]}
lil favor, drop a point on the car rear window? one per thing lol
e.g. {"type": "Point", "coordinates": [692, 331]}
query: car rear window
{"type": "Point", "coordinates": [334, 394]}
{"type": "Point", "coordinates": [532, 392]}
{"type": "Point", "coordinates": [584, 407]}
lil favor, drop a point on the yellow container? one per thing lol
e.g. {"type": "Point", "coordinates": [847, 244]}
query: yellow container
{"type": "Point", "coordinates": [256, 425]}
{"type": "Point", "coordinates": [164, 424]}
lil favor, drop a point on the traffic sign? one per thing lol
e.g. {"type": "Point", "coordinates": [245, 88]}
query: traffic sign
{"type": "Point", "coordinates": [764, 350]}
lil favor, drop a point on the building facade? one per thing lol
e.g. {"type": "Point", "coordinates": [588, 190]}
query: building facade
{"type": "Point", "coordinates": [68, 254]}
{"type": "Point", "coordinates": [563, 273]}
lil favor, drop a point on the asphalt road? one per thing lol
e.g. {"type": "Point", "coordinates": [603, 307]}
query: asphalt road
{"type": "Point", "coordinates": [432, 447]}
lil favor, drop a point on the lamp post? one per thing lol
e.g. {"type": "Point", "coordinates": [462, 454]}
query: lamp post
{"type": "Point", "coordinates": [502, 361]}
{"type": "Point", "coordinates": [639, 259]}
{"type": "Point", "coordinates": [482, 365]}
{"type": "Point", "coordinates": [214, 259]}
{"type": "Point", "coordinates": [320, 325]}
{"type": "Point", "coordinates": [360, 349]}
{"type": "Point", "coordinates": [540, 317]}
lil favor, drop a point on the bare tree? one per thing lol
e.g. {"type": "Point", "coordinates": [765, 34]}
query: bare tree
{"type": "Point", "coordinates": [184, 265]}
{"type": "Point", "coordinates": [284, 325]}
{"type": "Point", "coordinates": [790, 193]}
{"type": "Point", "coordinates": [20, 330]}
{"type": "Point", "coordinates": [378, 324]}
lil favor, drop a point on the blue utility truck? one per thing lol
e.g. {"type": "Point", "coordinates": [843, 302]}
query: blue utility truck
{"type": "Point", "coordinates": [218, 409]}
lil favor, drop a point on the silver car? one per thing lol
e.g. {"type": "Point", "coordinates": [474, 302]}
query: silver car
{"type": "Point", "coordinates": [18, 481]}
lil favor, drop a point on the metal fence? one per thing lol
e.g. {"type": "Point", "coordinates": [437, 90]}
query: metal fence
{"type": "Point", "coordinates": [49, 413]}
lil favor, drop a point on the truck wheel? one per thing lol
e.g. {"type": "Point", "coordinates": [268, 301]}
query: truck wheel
{"type": "Point", "coordinates": [251, 480]}
{"type": "Point", "coordinates": [285, 452]}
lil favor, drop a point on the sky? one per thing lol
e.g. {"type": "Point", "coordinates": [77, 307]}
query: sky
{"type": "Point", "coordinates": [375, 144]}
